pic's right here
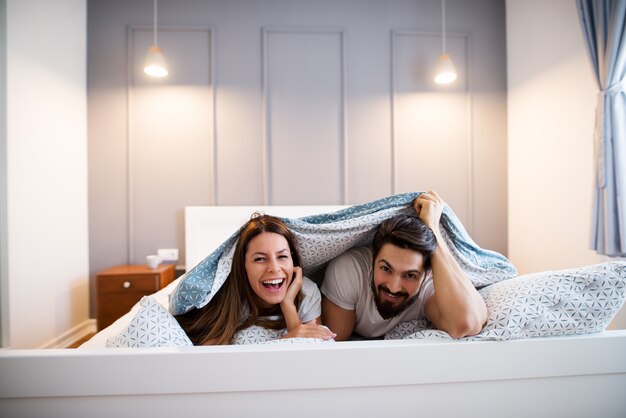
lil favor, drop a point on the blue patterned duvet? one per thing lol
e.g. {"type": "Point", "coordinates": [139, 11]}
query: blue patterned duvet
{"type": "Point", "coordinates": [325, 236]}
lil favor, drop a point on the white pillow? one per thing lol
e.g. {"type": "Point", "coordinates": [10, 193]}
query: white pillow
{"type": "Point", "coordinates": [152, 326]}
{"type": "Point", "coordinates": [575, 301]}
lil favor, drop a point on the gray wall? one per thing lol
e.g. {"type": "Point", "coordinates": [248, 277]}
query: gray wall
{"type": "Point", "coordinates": [290, 102]}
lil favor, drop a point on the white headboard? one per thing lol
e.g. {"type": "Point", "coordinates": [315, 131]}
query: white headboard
{"type": "Point", "coordinates": [206, 227]}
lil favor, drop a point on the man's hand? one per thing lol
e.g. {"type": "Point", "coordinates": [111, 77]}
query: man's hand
{"type": "Point", "coordinates": [429, 207]}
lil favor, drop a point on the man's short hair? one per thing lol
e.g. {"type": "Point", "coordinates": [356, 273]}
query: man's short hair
{"type": "Point", "coordinates": [408, 232]}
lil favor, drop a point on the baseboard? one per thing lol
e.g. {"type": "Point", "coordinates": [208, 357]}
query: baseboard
{"type": "Point", "coordinates": [73, 335]}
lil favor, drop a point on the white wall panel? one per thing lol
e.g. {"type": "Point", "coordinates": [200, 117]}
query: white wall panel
{"type": "Point", "coordinates": [304, 116]}
{"type": "Point", "coordinates": [171, 140]}
{"type": "Point", "coordinates": [432, 140]}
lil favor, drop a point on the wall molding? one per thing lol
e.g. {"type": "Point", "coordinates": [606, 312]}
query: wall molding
{"type": "Point", "coordinates": [394, 35]}
{"type": "Point", "coordinates": [130, 33]}
{"type": "Point", "coordinates": [266, 111]}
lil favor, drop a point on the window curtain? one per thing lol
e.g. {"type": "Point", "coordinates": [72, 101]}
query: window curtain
{"type": "Point", "coordinates": [603, 24]}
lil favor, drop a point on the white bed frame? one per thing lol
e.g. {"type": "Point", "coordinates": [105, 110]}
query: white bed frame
{"type": "Point", "coordinates": [575, 376]}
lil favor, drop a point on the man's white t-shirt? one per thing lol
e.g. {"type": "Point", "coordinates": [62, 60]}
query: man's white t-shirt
{"type": "Point", "coordinates": [347, 283]}
{"type": "Point", "coordinates": [311, 305]}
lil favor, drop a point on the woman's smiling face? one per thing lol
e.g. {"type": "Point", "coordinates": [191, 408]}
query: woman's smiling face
{"type": "Point", "coordinates": [269, 267]}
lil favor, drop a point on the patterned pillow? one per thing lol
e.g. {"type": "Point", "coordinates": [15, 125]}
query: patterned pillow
{"type": "Point", "coordinates": [256, 335]}
{"type": "Point", "coordinates": [259, 335]}
{"type": "Point", "coordinates": [574, 301]}
{"type": "Point", "coordinates": [152, 326]}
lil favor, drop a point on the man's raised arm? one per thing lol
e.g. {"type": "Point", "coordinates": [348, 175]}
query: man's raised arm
{"type": "Point", "coordinates": [456, 306]}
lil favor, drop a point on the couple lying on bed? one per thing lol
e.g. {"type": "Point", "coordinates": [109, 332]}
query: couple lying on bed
{"type": "Point", "coordinates": [408, 273]}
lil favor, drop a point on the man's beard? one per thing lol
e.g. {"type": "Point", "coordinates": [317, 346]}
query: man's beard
{"type": "Point", "coordinates": [388, 309]}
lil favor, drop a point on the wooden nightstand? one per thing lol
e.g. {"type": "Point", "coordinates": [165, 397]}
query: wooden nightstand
{"type": "Point", "coordinates": [119, 288]}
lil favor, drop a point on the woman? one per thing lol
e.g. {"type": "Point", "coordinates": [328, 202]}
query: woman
{"type": "Point", "coordinates": [265, 287]}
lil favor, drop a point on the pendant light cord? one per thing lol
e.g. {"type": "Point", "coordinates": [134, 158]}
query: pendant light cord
{"type": "Point", "coordinates": [155, 23]}
{"type": "Point", "coordinates": [443, 23]}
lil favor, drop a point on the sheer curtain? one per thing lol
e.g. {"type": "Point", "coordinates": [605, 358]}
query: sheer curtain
{"type": "Point", "coordinates": [604, 28]}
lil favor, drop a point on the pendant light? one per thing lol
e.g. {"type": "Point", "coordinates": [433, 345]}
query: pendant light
{"type": "Point", "coordinates": [155, 64]}
{"type": "Point", "coordinates": [446, 73]}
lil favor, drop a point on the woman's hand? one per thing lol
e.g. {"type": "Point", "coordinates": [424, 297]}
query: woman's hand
{"type": "Point", "coordinates": [310, 330]}
{"type": "Point", "coordinates": [295, 328]}
{"type": "Point", "coordinates": [294, 287]}
{"type": "Point", "coordinates": [429, 207]}
{"type": "Point", "coordinates": [288, 305]}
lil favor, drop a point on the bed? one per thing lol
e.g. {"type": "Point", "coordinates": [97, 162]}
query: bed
{"type": "Point", "coordinates": [563, 375]}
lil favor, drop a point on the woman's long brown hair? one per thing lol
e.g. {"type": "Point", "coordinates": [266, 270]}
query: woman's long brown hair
{"type": "Point", "coordinates": [221, 318]}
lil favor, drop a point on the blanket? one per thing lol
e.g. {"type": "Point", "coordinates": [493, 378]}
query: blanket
{"type": "Point", "coordinates": [324, 236]}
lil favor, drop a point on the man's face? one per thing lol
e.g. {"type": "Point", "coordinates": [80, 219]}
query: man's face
{"type": "Point", "coordinates": [398, 276]}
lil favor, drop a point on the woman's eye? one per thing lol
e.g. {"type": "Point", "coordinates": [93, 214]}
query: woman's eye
{"type": "Point", "coordinates": [385, 268]}
{"type": "Point", "coordinates": [282, 257]}
{"type": "Point", "coordinates": [259, 259]}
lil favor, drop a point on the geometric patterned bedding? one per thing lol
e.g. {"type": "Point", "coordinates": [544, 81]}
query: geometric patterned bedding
{"type": "Point", "coordinates": [323, 237]}
{"type": "Point", "coordinates": [574, 301]}
{"type": "Point", "coordinates": [152, 326]}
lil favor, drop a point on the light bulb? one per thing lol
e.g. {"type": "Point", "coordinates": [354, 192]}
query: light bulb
{"type": "Point", "coordinates": [155, 64]}
{"type": "Point", "coordinates": [446, 73]}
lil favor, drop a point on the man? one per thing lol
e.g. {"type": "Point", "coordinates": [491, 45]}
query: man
{"type": "Point", "coordinates": [408, 273]}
